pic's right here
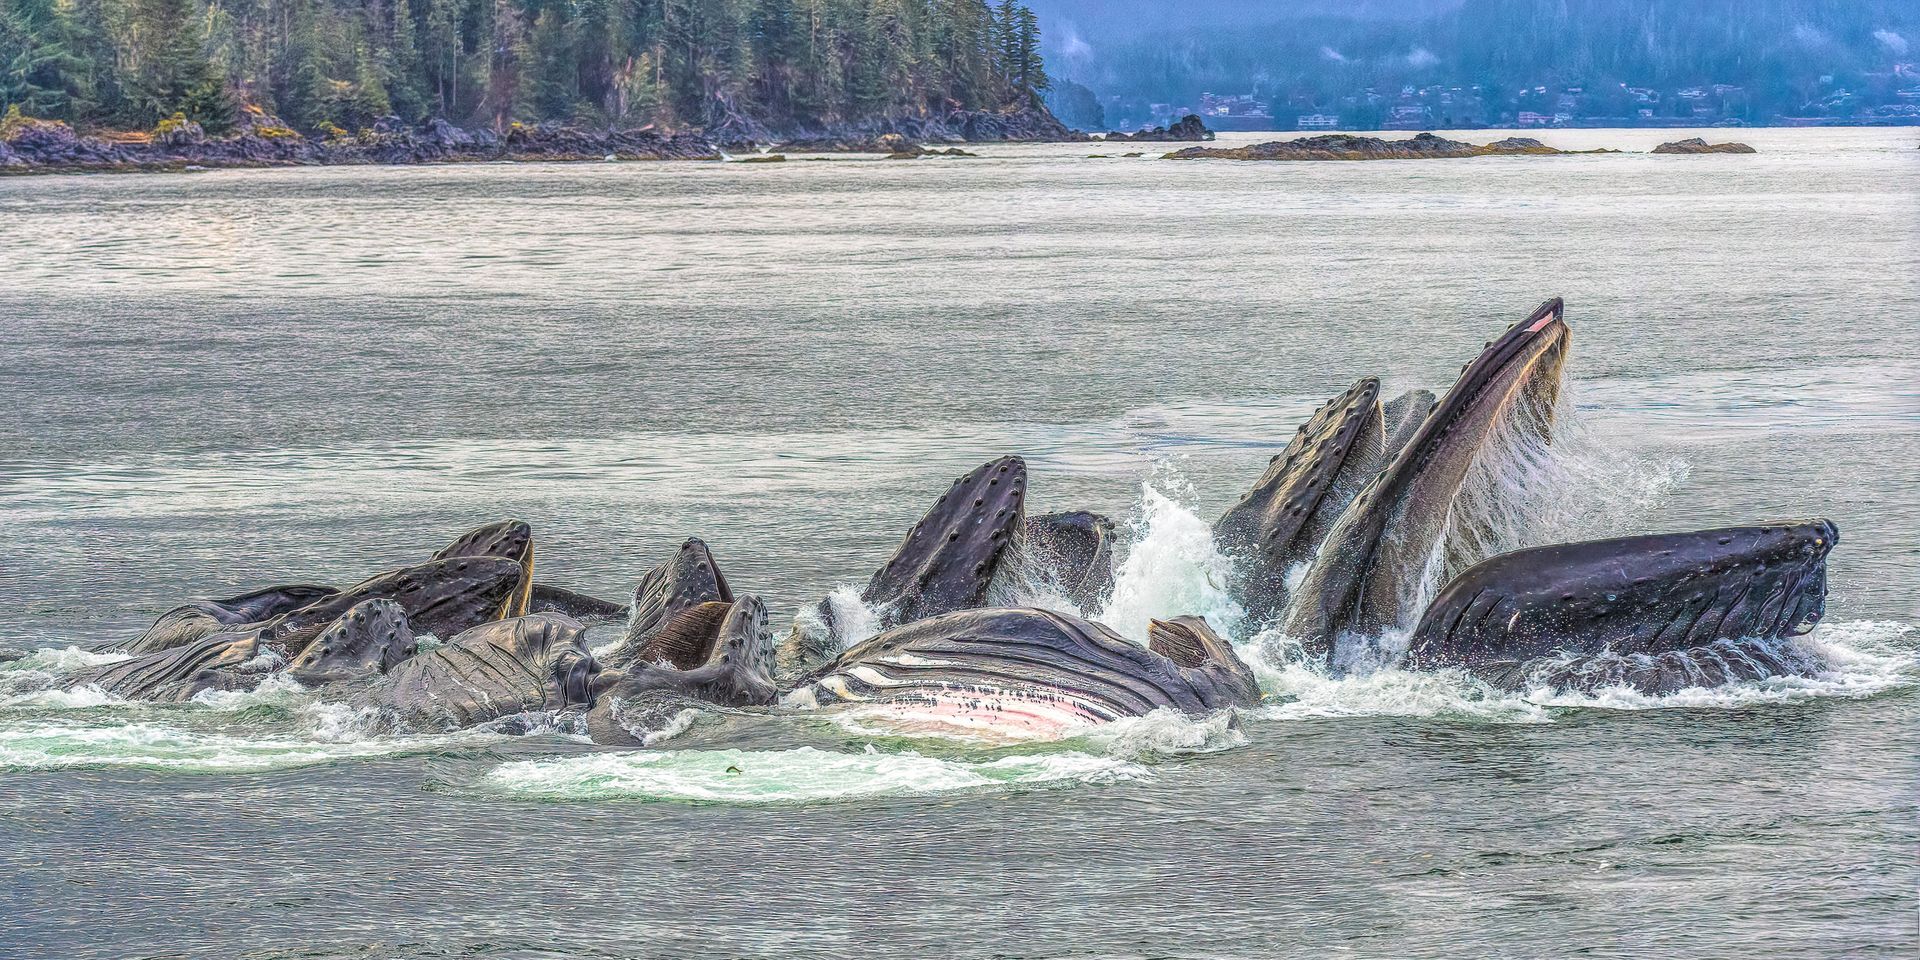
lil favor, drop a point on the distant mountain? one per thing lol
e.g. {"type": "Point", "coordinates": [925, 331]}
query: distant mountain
{"type": "Point", "coordinates": [1492, 62]}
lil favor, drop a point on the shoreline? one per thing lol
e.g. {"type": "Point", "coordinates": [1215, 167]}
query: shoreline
{"type": "Point", "coordinates": [440, 144]}
{"type": "Point", "coordinates": [30, 146]}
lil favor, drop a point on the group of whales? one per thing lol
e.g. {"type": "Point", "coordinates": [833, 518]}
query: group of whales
{"type": "Point", "coordinates": [1329, 547]}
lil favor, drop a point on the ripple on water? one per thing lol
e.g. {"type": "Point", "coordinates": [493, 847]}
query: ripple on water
{"type": "Point", "coordinates": [801, 775]}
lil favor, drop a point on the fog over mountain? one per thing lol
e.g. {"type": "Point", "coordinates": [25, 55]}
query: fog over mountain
{"type": "Point", "coordinates": [1418, 63]}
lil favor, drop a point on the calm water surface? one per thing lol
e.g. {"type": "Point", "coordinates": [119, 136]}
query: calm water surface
{"type": "Point", "coordinates": [221, 380]}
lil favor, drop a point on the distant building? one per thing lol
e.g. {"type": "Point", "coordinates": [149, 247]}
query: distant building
{"type": "Point", "coordinates": [1528, 118]}
{"type": "Point", "coordinates": [1318, 121]}
{"type": "Point", "coordinates": [1236, 112]}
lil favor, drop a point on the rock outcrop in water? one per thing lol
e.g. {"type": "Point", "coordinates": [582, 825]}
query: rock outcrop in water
{"type": "Point", "coordinates": [1187, 128]}
{"type": "Point", "coordinates": [1698, 145]}
{"type": "Point", "coordinates": [258, 139]}
{"type": "Point", "coordinates": [1346, 146]}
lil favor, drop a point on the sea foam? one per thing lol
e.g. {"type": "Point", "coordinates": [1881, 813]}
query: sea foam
{"type": "Point", "coordinates": [801, 775]}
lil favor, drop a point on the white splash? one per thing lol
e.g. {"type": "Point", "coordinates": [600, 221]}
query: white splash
{"type": "Point", "coordinates": [1172, 567]}
{"type": "Point", "coordinates": [277, 690]}
{"type": "Point", "coordinates": [795, 776]}
{"type": "Point", "coordinates": [856, 620]}
{"type": "Point", "coordinates": [1167, 733]}
{"type": "Point", "coordinates": [117, 743]}
{"type": "Point", "coordinates": [64, 660]}
{"type": "Point", "coordinates": [1533, 484]}
{"type": "Point", "coordinates": [83, 697]}
{"type": "Point", "coordinates": [1865, 658]}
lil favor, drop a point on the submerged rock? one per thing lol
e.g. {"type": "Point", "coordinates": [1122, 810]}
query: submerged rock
{"type": "Point", "coordinates": [1698, 145]}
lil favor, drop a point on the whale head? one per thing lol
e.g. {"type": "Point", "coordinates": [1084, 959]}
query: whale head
{"type": "Point", "coordinates": [1359, 583]}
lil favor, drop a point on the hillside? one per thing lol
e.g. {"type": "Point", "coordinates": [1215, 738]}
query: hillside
{"type": "Point", "coordinates": [1488, 62]}
{"type": "Point", "coordinates": [735, 69]}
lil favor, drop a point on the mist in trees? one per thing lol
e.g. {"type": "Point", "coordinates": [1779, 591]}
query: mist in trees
{"type": "Point", "coordinates": [1782, 52]}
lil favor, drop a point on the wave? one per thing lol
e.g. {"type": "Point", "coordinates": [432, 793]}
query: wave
{"type": "Point", "coordinates": [112, 743]}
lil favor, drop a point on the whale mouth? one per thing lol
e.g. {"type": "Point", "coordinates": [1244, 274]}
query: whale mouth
{"type": "Point", "coordinates": [1392, 535]}
{"type": "Point", "coordinates": [1644, 596]}
{"type": "Point", "coordinates": [1523, 364]}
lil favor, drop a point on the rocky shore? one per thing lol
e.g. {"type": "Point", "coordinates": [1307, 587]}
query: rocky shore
{"type": "Point", "coordinates": [1697, 145]}
{"type": "Point", "coordinates": [1344, 146]}
{"type": "Point", "coordinates": [29, 145]}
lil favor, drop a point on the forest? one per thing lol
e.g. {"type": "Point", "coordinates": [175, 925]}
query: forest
{"type": "Point", "coordinates": [339, 65]}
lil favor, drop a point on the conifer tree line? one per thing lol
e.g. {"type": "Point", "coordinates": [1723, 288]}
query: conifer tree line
{"type": "Point", "coordinates": [323, 65]}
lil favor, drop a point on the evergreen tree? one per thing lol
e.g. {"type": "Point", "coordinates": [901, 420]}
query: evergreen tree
{"type": "Point", "coordinates": [442, 50]}
{"type": "Point", "coordinates": [405, 64]}
{"type": "Point", "coordinates": [326, 64]}
{"type": "Point", "coordinates": [172, 72]}
{"type": "Point", "coordinates": [551, 82]}
{"type": "Point", "coordinates": [40, 72]}
{"type": "Point", "coordinates": [1029, 73]}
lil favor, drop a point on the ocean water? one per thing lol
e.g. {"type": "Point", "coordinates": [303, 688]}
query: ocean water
{"type": "Point", "coordinates": [220, 380]}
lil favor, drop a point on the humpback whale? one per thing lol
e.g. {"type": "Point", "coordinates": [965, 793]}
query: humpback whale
{"type": "Point", "coordinates": [676, 608]}
{"type": "Point", "coordinates": [1283, 519]}
{"type": "Point", "coordinates": [1364, 580]}
{"type": "Point", "coordinates": [540, 663]}
{"type": "Point", "coordinates": [948, 561]}
{"type": "Point", "coordinates": [1281, 522]}
{"type": "Point", "coordinates": [367, 641]}
{"type": "Point", "coordinates": [1071, 553]}
{"type": "Point", "coordinates": [1367, 511]}
{"type": "Point", "coordinates": [200, 618]}
{"type": "Point", "coordinates": [1657, 613]}
{"type": "Point", "coordinates": [1039, 671]}
{"type": "Point", "coordinates": [219, 661]}
{"type": "Point", "coordinates": [513, 539]}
